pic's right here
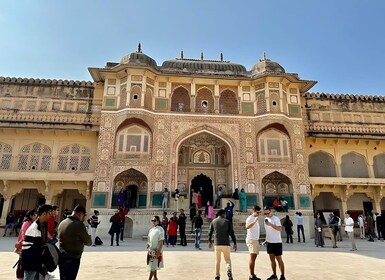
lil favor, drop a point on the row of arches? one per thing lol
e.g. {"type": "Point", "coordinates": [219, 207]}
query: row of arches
{"type": "Point", "coordinates": [353, 165]}
{"type": "Point", "coordinates": [38, 156]}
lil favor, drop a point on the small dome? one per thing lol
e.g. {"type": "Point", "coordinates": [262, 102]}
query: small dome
{"type": "Point", "coordinates": [203, 66]}
{"type": "Point", "coordinates": [138, 58]}
{"type": "Point", "coordinates": [265, 65]}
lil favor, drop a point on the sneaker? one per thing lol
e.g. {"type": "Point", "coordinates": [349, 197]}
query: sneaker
{"type": "Point", "coordinates": [282, 277]}
{"type": "Point", "coordinates": [217, 278]}
{"type": "Point", "coordinates": [272, 277]}
{"type": "Point", "coordinates": [229, 274]}
{"type": "Point", "coordinates": [254, 277]}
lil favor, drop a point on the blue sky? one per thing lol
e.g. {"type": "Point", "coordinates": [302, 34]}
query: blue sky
{"type": "Point", "coordinates": [339, 43]}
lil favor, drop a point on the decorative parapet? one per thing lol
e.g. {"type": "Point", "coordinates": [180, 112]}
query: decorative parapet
{"type": "Point", "coordinates": [333, 128]}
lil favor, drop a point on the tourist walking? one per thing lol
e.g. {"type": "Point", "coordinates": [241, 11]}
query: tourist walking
{"type": "Point", "coordinates": [299, 222]}
{"type": "Point", "coordinates": [243, 200]}
{"type": "Point", "coordinates": [165, 196]}
{"type": "Point", "coordinates": [339, 234]}
{"type": "Point", "coordinates": [172, 229]}
{"type": "Point", "coordinates": [370, 225]}
{"type": "Point", "coordinates": [229, 211]}
{"type": "Point", "coordinates": [252, 240]}
{"type": "Point", "coordinates": [182, 228]}
{"type": "Point", "coordinates": [29, 218]}
{"type": "Point", "coordinates": [52, 225]}
{"type": "Point", "coordinates": [93, 222]}
{"type": "Point", "coordinates": [361, 224]}
{"type": "Point", "coordinates": [122, 221]}
{"type": "Point", "coordinates": [198, 223]}
{"type": "Point", "coordinates": [10, 223]}
{"type": "Point", "coordinates": [73, 236]}
{"type": "Point", "coordinates": [219, 198]}
{"type": "Point", "coordinates": [164, 225]}
{"type": "Point", "coordinates": [115, 228]}
{"type": "Point", "coordinates": [284, 205]}
{"type": "Point", "coordinates": [273, 230]}
{"type": "Point", "coordinates": [155, 248]}
{"type": "Point", "coordinates": [379, 226]}
{"type": "Point", "coordinates": [34, 238]}
{"type": "Point", "coordinates": [333, 228]}
{"type": "Point", "coordinates": [288, 225]}
{"type": "Point", "coordinates": [221, 229]}
{"type": "Point", "coordinates": [349, 228]}
{"type": "Point", "coordinates": [193, 213]}
{"type": "Point", "coordinates": [318, 236]}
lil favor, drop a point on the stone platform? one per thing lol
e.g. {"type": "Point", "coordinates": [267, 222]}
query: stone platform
{"type": "Point", "coordinates": [302, 261]}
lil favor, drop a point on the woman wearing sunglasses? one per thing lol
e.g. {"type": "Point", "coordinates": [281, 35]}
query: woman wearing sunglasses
{"type": "Point", "coordinates": [154, 248]}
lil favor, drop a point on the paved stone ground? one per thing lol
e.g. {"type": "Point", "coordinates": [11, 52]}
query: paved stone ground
{"type": "Point", "coordinates": [302, 261]}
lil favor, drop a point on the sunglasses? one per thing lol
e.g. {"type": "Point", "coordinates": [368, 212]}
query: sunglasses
{"type": "Point", "coordinates": [153, 220]}
{"type": "Point", "coordinates": [266, 213]}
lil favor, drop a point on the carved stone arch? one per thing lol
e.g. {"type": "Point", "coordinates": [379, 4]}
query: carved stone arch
{"type": "Point", "coordinates": [354, 165]}
{"type": "Point", "coordinates": [180, 99]}
{"type": "Point", "coordinates": [204, 100]}
{"type": "Point", "coordinates": [228, 102]}
{"type": "Point", "coordinates": [322, 164]}
{"type": "Point", "coordinates": [276, 183]}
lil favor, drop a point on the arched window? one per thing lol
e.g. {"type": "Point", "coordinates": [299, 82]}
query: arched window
{"type": "Point", "coordinates": [353, 165]}
{"type": "Point", "coordinates": [35, 156]}
{"type": "Point", "coordinates": [180, 100]}
{"type": "Point", "coordinates": [274, 146]}
{"type": "Point", "coordinates": [133, 142]}
{"type": "Point", "coordinates": [204, 101]}
{"type": "Point", "coordinates": [5, 156]}
{"type": "Point", "coordinates": [321, 164]}
{"type": "Point", "coordinates": [148, 99]}
{"type": "Point", "coordinates": [379, 166]}
{"type": "Point", "coordinates": [228, 102]}
{"type": "Point", "coordinates": [136, 96]}
{"type": "Point", "coordinates": [74, 157]}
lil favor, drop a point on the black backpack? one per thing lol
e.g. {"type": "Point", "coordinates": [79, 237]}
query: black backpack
{"type": "Point", "coordinates": [98, 241]}
{"type": "Point", "coordinates": [50, 256]}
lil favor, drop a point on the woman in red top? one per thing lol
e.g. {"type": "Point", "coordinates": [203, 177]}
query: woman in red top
{"type": "Point", "coordinates": [199, 200]}
{"type": "Point", "coordinates": [172, 229]}
{"type": "Point", "coordinates": [28, 220]}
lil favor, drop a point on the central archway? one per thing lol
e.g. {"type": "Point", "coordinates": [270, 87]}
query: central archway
{"type": "Point", "coordinates": [203, 184]}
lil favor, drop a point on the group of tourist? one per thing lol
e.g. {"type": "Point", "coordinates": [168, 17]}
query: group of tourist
{"type": "Point", "coordinates": [40, 233]}
{"type": "Point", "coordinates": [170, 228]}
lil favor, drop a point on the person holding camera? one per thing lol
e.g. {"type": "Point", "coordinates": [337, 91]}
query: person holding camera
{"type": "Point", "coordinates": [273, 230]}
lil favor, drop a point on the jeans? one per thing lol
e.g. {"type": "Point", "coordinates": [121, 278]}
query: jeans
{"type": "Point", "coordinates": [31, 275]}
{"type": "Point", "coordinates": [198, 233]}
{"type": "Point", "coordinates": [164, 203]}
{"type": "Point", "coordinates": [68, 267]}
{"type": "Point", "coordinates": [117, 238]}
{"type": "Point", "coordinates": [300, 228]}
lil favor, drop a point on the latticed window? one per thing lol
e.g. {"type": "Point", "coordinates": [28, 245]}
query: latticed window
{"type": "Point", "coordinates": [5, 156]}
{"type": "Point", "coordinates": [133, 143]}
{"type": "Point", "coordinates": [74, 157]}
{"type": "Point", "coordinates": [35, 156]}
{"type": "Point", "coordinates": [274, 146]}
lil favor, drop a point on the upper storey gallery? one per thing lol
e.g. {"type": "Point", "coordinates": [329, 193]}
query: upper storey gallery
{"type": "Point", "coordinates": [199, 86]}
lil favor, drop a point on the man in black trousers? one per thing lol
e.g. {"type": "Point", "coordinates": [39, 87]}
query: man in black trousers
{"type": "Point", "coordinates": [182, 228]}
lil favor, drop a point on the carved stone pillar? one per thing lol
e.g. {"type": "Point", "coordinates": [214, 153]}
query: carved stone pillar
{"type": "Point", "coordinates": [6, 208]}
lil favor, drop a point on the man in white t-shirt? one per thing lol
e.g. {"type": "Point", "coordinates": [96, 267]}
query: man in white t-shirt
{"type": "Point", "coordinates": [252, 239]}
{"type": "Point", "coordinates": [273, 230]}
{"type": "Point", "coordinates": [349, 228]}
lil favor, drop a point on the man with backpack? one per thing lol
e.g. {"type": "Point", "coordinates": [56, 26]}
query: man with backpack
{"type": "Point", "coordinates": [72, 236]}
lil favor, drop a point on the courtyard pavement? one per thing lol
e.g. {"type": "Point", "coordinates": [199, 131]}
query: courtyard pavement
{"type": "Point", "coordinates": [302, 261]}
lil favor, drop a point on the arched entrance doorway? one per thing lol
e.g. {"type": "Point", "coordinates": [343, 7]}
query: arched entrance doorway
{"type": "Point", "coordinates": [204, 185]}
{"type": "Point", "coordinates": [133, 186]}
{"type": "Point", "coordinates": [204, 159]}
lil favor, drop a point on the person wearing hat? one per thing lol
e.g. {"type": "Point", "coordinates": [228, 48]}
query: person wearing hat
{"type": "Point", "coordinates": [73, 236]}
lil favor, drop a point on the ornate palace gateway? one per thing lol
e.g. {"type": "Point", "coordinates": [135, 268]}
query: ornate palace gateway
{"type": "Point", "coordinates": [192, 125]}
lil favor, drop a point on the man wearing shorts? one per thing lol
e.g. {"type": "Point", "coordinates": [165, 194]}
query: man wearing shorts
{"type": "Point", "coordinates": [273, 230]}
{"type": "Point", "coordinates": [252, 239]}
